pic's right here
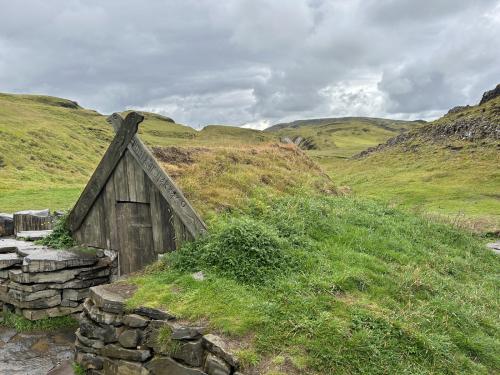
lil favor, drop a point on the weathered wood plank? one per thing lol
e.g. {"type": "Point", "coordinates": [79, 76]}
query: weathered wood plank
{"type": "Point", "coordinates": [110, 214]}
{"type": "Point", "coordinates": [120, 181]}
{"type": "Point", "coordinates": [128, 159]}
{"type": "Point", "coordinates": [109, 161]}
{"type": "Point", "coordinates": [163, 182]}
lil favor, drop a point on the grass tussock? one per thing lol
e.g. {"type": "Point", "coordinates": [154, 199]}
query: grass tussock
{"type": "Point", "coordinates": [21, 324]}
{"type": "Point", "coordinates": [358, 288]}
{"type": "Point", "coordinates": [221, 179]}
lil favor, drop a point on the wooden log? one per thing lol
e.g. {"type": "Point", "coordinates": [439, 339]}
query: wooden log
{"type": "Point", "coordinates": [32, 220]}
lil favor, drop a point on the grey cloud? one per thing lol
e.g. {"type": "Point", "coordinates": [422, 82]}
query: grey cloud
{"type": "Point", "coordinates": [245, 61]}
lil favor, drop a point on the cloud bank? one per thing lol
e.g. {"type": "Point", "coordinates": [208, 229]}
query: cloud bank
{"type": "Point", "coordinates": [253, 62]}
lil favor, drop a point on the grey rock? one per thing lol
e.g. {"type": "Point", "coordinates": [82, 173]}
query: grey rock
{"type": "Point", "coordinates": [53, 260]}
{"type": "Point", "coordinates": [180, 332]}
{"type": "Point", "coordinates": [91, 330]}
{"type": "Point", "coordinates": [99, 316]}
{"type": "Point", "coordinates": [43, 303]}
{"type": "Point", "coordinates": [50, 313]}
{"type": "Point", "coordinates": [135, 321]}
{"type": "Point", "coordinates": [75, 294]}
{"type": "Point", "coordinates": [91, 343]}
{"type": "Point", "coordinates": [79, 284]}
{"type": "Point", "coordinates": [23, 248]}
{"type": "Point", "coordinates": [116, 351]}
{"type": "Point", "coordinates": [29, 288]}
{"type": "Point", "coordinates": [33, 235]}
{"type": "Point", "coordinates": [111, 298]}
{"type": "Point", "coordinates": [79, 347]}
{"type": "Point", "coordinates": [89, 361]}
{"type": "Point", "coordinates": [216, 366]}
{"type": "Point", "coordinates": [168, 366]}
{"type": "Point", "coordinates": [129, 338]}
{"type": "Point", "coordinates": [491, 94]}
{"type": "Point", "coordinates": [42, 277]}
{"type": "Point", "coordinates": [119, 367]}
{"type": "Point", "coordinates": [151, 336]}
{"type": "Point", "coordinates": [9, 259]}
{"type": "Point", "coordinates": [68, 303]}
{"type": "Point", "coordinates": [155, 314]}
{"type": "Point", "coordinates": [218, 346]}
{"type": "Point", "coordinates": [190, 352]}
{"type": "Point", "coordinates": [22, 296]}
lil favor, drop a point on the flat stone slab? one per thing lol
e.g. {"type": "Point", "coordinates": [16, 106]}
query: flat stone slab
{"type": "Point", "coordinates": [45, 260]}
{"type": "Point", "coordinates": [9, 259]}
{"type": "Point", "coordinates": [33, 235]}
{"type": "Point", "coordinates": [23, 248]}
{"type": "Point", "coordinates": [111, 297]}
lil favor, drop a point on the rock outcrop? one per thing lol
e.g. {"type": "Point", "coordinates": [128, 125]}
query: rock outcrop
{"type": "Point", "coordinates": [491, 94]}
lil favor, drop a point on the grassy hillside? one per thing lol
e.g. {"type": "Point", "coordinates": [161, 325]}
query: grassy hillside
{"type": "Point", "coordinates": [448, 167]}
{"type": "Point", "coordinates": [49, 147]}
{"type": "Point", "coordinates": [329, 285]}
{"type": "Point", "coordinates": [342, 137]}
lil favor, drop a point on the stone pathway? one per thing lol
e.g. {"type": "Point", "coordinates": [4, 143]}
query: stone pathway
{"type": "Point", "coordinates": [35, 353]}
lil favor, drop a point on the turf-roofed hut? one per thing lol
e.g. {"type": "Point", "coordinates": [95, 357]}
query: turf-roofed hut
{"type": "Point", "coordinates": [130, 204]}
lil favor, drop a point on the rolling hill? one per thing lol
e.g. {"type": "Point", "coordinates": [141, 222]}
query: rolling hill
{"type": "Point", "coordinates": [447, 167]}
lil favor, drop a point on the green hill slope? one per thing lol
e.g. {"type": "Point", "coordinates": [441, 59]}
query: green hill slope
{"type": "Point", "coordinates": [342, 137]}
{"type": "Point", "coordinates": [449, 167]}
{"type": "Point", "coordinates": [49, 147]}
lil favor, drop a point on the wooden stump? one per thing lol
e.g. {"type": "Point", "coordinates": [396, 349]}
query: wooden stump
{"type": "Point", "coordinates": [6, 225]}
{"type": "Point", "coordinates": [32, 220]}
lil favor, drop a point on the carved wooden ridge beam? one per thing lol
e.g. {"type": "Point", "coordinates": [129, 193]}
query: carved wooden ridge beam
{"type": "Point", "coordinates": [106, 166]}
{"type": "Point", "coordinates": [161, 180]}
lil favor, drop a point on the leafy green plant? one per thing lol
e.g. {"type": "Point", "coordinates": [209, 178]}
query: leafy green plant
{"type": "Point", "coordinates": [240, 248]}
{"type": "Point", "coordinates": [60, 238]}
{"type": "Point", "coordinates": [78, 369]}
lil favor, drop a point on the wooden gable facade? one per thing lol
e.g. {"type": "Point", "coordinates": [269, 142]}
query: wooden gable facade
{"type": "Point", "coordinates": [130, 205]}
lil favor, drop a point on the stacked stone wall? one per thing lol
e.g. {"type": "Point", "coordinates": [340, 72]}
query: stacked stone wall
{"type": "Point", "coordinates": [113, 340]}
{"type": "Point", "coordinates": [37, 282]}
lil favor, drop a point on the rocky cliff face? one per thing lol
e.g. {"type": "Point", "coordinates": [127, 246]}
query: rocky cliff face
{"type": "Point", "coordinates": [462, 123]}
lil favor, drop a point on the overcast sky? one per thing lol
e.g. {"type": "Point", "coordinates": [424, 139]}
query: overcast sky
{"type": "Point", "coordinates": [253, 62]}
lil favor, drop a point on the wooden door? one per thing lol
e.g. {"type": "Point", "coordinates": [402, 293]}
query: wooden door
{"type": "Point", "coordinates": [135, 234]}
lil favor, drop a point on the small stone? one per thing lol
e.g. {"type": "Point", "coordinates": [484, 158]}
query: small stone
{"type": "Point", "coordinates": [180, 332]}
{"type": "Point", "coordinates": [115, 351]}
{"type": "Point", "coordinates": [50, 313]}
{"type": "Point", "coordinates": [190, 352]}
{"type": "Point", "coordinates": [9, 259]}
{"type": "Point", "coordinates": [91, 343]}
{"type": "Point", "coordinates": [216, 366]}
{"type": "Point", "coordinates": [165, 365]}
{"type": "Point", "coordinates": [135, 321]}
{"type": "Point", "coordinates": [198, 276]}
{"type": "Point", "coordinates": [129, 338]}
{"type": "Point", "coordinates": [153, 313]}
{"type": "Point", "coordinates": [68, 303]}
{"type": "Point", "coordinates": [91, 330]}
{"type": "Point", "coordinates": [89, 361]}
{"type": "Point", "coordinates": [111, 298]}
{"type": "Point", "coordinates": [218, 346]}
{"type": "Point", "coordinates": [75, 294]}
{"type": "Point", "coordinates": [118, 367]}
{"type": "Point", "coordinates": [99, 316]}
{"type": "Point", "coordinates": [21, 296]}
{"type": "Point", "coordinates": [43, 303]}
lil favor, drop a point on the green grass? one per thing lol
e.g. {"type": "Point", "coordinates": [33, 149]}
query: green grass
{"type": "Point", "coordinates": [21, 324]}
{"type": "Point", "coordinates": [373, 290]}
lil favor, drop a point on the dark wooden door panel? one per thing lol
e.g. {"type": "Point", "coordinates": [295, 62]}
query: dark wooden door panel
{"type": "Point", "coordinates": [135, 233]}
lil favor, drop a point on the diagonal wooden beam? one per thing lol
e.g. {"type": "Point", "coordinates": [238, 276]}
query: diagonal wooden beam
{"type": "Point", "coordinates": [167, 187]}
{"type": "Point", "coordinates": [106, 166]}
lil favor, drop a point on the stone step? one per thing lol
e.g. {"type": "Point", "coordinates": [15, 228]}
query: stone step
{"type": "Point", "coordinates": [52, 260]}
{"type": "Point", "coordinates": [33, 235]}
